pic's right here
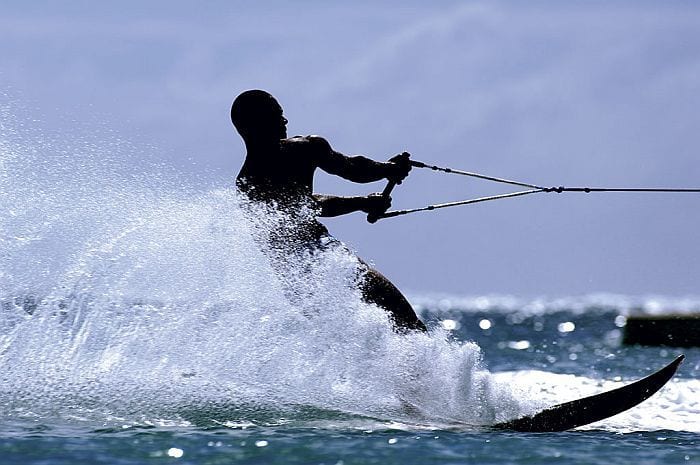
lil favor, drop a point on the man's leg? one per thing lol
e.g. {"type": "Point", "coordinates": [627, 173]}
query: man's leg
{"type": "Point", "coordinates": [378, 290]}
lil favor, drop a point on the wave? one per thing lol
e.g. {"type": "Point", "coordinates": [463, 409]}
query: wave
{"type": "Point", "coordinates": [595, 302]}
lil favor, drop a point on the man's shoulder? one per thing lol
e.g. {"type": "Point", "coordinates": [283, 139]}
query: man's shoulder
{"type": "Point", "coordinates": [311, 142]}
{"type": "Point", "coordinates": [309, 139]}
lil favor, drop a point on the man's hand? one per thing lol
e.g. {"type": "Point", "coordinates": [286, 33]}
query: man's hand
{"type": "Point", "coordinates": [398, 167]}
{"type": "Point", "coordinates": [376, 204]}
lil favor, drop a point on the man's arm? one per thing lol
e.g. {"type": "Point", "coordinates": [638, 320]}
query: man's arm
{"type": "Point", "coordinates": [336, 206]}
{"type": "Point", "coordinates": [357, 168]}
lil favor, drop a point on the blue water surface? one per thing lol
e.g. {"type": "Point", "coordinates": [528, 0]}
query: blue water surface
{"type": "Point", "coordinates": [309, 436]}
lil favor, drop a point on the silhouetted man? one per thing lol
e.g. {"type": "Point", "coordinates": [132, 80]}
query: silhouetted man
{"type": "Point", "coordinates": [279, 171]}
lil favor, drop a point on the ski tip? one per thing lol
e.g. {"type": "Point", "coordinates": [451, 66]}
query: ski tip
{"type": "Point", "coordinates": [678, 360]}
{"type": "Point", "coordinates": [672, 367]}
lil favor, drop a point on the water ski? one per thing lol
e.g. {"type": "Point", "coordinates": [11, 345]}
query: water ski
{"type": "Point", "coordinates": [594, 408]}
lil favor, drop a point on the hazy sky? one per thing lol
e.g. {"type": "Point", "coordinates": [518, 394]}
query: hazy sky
{"type": "Point", "coordinates": [553, 93]}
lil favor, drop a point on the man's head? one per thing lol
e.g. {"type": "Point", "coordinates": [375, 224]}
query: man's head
{"type": "Point", "coordinates": [258, 117]}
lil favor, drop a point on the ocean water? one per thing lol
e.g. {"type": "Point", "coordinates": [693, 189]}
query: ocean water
{"type": "Point", "coordinates": [142, 320]}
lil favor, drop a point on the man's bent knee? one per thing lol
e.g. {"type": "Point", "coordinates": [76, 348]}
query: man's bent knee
{"type": "Point", "coordinates": [378, 290]}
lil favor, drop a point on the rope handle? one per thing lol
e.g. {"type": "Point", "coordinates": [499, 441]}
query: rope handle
{"type": "Point", "coordinates": [376, 216]}
{"type": "Point", "coordinates": [373, 217]}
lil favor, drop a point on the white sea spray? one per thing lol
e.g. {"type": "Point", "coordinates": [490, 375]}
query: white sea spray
{"type": "Point", "coordinates": [128, 295]}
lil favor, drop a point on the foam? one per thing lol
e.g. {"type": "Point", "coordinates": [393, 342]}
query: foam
{"type": "Point", "coordinates": [676, 407]}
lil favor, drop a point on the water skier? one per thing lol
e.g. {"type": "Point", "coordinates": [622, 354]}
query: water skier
{"type": "Point", "coordinates": [279, 171]}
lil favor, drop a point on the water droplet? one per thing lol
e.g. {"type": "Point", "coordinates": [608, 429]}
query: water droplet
{"type": "Point", "coordinates": [566, 327]}
{"type": "Point", "coordinates": [485, 324]}
{"type": "Point", "coordinates": [449, 325]}
{"type": "Point", "coordinates": [261, 443]}
{"type": "Point", "coordinates": [620, 321]}
{"type": "Point", "coordinates": [175, 452]}
{"type": "Point", "coordinates": [519, 345]}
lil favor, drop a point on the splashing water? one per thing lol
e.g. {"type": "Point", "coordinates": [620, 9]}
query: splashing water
{"type": "Point", "coordinates": [132, 296]}
{"type": "Point", "coordinates": [128, 295]}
